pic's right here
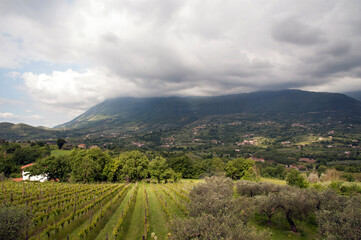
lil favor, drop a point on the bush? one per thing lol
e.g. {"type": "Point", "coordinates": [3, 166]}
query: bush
{"type": "Point", "coordinates": [240, 168]}
{"type": "Point", "coordinates": [208, 227]}
{"type": "Point", "coordinates": [251, 189]}
{"type": "Point", "coordinates": [215, 214]}
{"type": "Point", "coordinates": [14, 221]}
{"type": "Point", "coordinates": [348, 177]}
{"type": "Point", "coordinates": [294, 178]}
{"type": "Point", "coordinates": [341, 219]}
{"type": "Point", "coordinates": [294, 202]}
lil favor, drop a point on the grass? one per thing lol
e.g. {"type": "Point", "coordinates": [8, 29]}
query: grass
{"type": "Point", "coordinates": [273, 180]}
{"type": "Point", "coordinates": [157, 219]}
{"type": "Point", "coordinates": [108, 228]}
{"type": "Point", "coordinates": [60, 152]}
{"type": "Point", "coordinates": [280, 229]}
{"type": "Point", "coordinates": [136, 222]}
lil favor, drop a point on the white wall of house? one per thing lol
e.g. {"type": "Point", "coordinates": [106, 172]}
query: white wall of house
{"type": "Point", "coordinates": [39, 178]}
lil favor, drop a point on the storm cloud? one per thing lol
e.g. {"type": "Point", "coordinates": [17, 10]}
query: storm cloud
{"type": "Point", "coordinates": [162, 48]}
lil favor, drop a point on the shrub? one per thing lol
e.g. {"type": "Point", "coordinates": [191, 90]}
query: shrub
{"type": "Point", "coordinates": [14, 221]}
{"type": "Point", "coordinates": [208, 227]}
{"type": "Point", "coordinates": [348, 177]}
{"type": "Point", "coordinates": [341, 219]}
{"type": "Point", "coordinates": [215, 214]}
{"type": "Point", "coordinates": [294, 202]}
{"type": "Point", "coordinates": [251, 189]}
{"type": "Point", "coordinates": [294, 178]}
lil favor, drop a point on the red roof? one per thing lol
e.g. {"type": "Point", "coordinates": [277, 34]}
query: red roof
{"type": "Point", "coordinates": [17, 179]}
{"type": "Point", "coordinates": [28, 165]}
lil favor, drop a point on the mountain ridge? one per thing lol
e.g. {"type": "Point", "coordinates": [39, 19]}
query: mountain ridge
{"type": "Point", "coordinates": [174, 110]}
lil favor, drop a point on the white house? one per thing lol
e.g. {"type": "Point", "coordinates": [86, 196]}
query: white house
{"type": "Point", "coordinates": [26, 175]}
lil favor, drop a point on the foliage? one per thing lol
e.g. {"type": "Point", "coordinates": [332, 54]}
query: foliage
{"type": "Point", "coordinates": [14, 221]}
{"type": "Point", "coordinates": [7, 166]}
{"type": "Point", "coordinates": [208, 227]}
{"type": "Point", "coordinates": [52, 167]}
{"type": "Point", "coordinates": [87, 165]}
{"type": "Point", "coordinates": [240, 168]}
{"type": "Point", "coordinates": [251, 189]}
{"type": "Point", "coordinates": [215, 214]}
{"type": "Point", "coordinates": [345, 189]}
{"type": "Point", "coordinates": [294, 178]}
{"type": "Point", "coordinates": [60, 142]}
{"type": "Point", "coordinates": [294, 202]}
{"type": "Point", "coordinates": [341, 220]}
{"type": "Point", "coordinates": [278, 171]}
{"type": "Point", "coordinates": [348, 177]}
{"type": "Point", "coordinates": [182, 164]}
{"type": "Point", "coordinates": [157, 167]}
{"type": "Point", "coordinates": [26, 155]}
{"type": "Point", "coordinates": [321, 169]}
{"type": "Point", "coordinates": [129, 166]}
{"type": "Point", "coordinates": [217, 166]}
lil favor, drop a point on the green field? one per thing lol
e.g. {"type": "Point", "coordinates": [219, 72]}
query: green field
{"type": "Point", "coordinates": [59, 152]}
{"type": "Point", "coordinates": [99, 211]}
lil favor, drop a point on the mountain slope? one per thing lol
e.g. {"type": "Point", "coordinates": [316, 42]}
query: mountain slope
{"type": "Point", "coordinates": [23, 131]}
{"type": "Point", "coordinates": [356, 95]}
{"type": "Point", "coordinates": [167, 112]}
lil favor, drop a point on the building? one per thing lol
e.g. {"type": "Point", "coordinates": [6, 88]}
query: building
{"type": "Point", "coordinates": [26, 175]}
{"type": "Point", "coordinates": [82, 146]}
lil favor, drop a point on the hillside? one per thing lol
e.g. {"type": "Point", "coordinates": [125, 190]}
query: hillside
{"type": "Point", "coordinates": [356, 95]}
{"type": "Point", "coordinates": [169, 112]}
{"type": "Point", "coordinates": [24, 131]}
{"type": "Point", "coordinates": [143, 115]}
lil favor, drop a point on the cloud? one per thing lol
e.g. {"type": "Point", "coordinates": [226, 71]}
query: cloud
{"type": "Point", "coordinates": [296, 32]}
{"type": "Point", "coordinates": [161, 48]}
{"type": "Point", "coordinates": [6, 115]}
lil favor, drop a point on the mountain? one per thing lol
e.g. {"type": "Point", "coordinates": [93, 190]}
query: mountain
{"type": "Point", "coordinates": [23, 131]}
{"type": "Point", "coordinates": [143, 115]}
{"type": "Point", "coordinates": [356, 95]}
{"type": "Point", "coordinates": [169, 112]}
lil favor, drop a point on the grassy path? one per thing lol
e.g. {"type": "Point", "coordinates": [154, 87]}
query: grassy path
{"type": "Point", "coordinates": [108, 228]}
{"type": "Point", "coordinates": [136, 222]}
{"type": "Point", "coordinates": [157, 218]}
{"type": "Point", "coordinates": [171, 205]}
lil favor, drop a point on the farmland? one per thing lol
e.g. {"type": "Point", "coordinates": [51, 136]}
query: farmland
{"type": "Point", "coordinates": [98, 211]}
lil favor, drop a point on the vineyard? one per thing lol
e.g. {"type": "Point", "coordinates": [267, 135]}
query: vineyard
{"type": "Point", "coordinates": [98, 211]}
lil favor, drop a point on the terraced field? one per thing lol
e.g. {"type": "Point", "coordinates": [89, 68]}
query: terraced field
{"type": "Point", "coordinates": [98, 211]}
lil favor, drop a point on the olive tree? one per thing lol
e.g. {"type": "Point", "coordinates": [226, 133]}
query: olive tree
{"type": "Point", "coordinates": [215, 214]}
{"type": "Point", "coordinates": [14, 222]}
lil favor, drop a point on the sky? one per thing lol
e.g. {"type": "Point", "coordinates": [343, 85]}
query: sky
{"type": "Point", "coordinates": [59, 58]}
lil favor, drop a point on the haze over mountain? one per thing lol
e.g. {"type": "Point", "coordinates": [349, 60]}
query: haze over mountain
{"type": "Point", "coordinates": [147, 114]}
{"type": "Point", "coordinates": [177, 111]}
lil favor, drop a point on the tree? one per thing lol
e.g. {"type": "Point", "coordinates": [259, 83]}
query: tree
{"type": "Point", "coordinates": [88, 165]}
{"type": "Point", "coordinates": [60, 142]}
{"type": "Point", "coordinates": [182, 164]}
{"type": "Point", "coordinates": [294, 178]}
{"type": "Point", "coordinates": [157, 167]}
{"type": "Point", "coordinates": [240, 168]}
{"type": "Point", "coordinates": [129, 166]}
{"type": "Point", "coordinates": [26, 155]}
{"type": "Point", "coordinates": [14, 222]}
{"type": "Point", "coordinates": [321, 169]}
{"type": "Point", "coordinates": [53, 167]}
{"type": "Point", "coordinates": [170, 174]}
{"type": "Point", "coordinates": [217, 166]}
{"type": "Point", "coordinates": [215, 214]}
{"type": "Point", "coordinates": [340, 217]}
{"type": "Point", "coordinates": [7, 165]}
{"type": "Point", "coordinates": [294, 202]}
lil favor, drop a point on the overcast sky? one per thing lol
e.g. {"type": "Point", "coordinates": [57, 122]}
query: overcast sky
{"type": "Point", "coordinates": [58, 58]}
